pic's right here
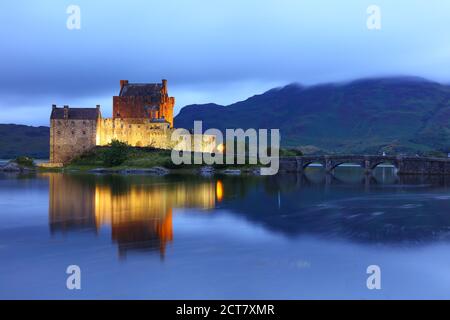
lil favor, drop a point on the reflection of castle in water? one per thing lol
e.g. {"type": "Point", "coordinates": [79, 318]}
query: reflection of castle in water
{"type": "Point", "coordinates": [138, 212]}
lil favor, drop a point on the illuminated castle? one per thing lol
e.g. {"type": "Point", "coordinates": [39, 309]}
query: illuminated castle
{"type": "Point", "coordinates": [142, 117]}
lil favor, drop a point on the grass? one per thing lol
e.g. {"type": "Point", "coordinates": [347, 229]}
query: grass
{"type": "Point", "coordinates": [141, 158]}
{"type": "Point", "coordinates": [134, 158]}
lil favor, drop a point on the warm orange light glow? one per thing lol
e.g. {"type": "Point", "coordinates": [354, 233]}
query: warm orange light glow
{"type": "Point", "coordinates": [140, 217]}
{"type": "Point", "coordinates": [219, 190]}
{"type": "Point", "coordinates": [220, 148]}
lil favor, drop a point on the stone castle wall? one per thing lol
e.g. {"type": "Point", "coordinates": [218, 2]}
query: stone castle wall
{"type": "Point", "coordinates": [71, 138]}
{"type": "Point", "coordinates": [135, 132]}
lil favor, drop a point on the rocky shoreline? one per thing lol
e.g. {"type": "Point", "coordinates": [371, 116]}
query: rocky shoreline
{"type": "Point", "coordinates": [161, 171]}
{"type": "Point", "coordinates": [13, 167]}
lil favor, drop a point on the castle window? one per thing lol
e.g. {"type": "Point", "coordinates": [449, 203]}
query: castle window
{"type": "Point", "coordinates": [84, 122]}
{"type": "Point", "coordinates": [84, 132]}
{"type": "Point", "coordinates": [73, 132]}
{"type": "Point", "coordinates": [129, 126]}
{"type": "Point", "coordinates": [58, 132]}
{"type": "Point", "coordinates": [72, 122]}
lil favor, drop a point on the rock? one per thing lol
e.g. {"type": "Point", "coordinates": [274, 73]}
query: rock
{"type": "Point", "coordinates": [232, 171]}
{"type": "Point", "coordinates": [14, 167]}
{"type": "Point", "coordinates": [100, 170]}
{"type": "Point", "coordinates": [161, 170]}
{"type": "Point", "coordinates": [155, 171]}
{"type": "Point", "coordinates": [255, 171]}
{"type": "Point", "coordinates": [10, 167]}
{"type": "Point", "coordinates": [206, 171]}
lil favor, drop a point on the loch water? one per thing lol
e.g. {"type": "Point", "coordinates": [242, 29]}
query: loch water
{"type": "Point", "coordinates": [309, 236]}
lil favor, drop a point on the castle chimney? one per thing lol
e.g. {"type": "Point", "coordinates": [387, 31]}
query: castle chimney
{"type": "Point", "coordinates": [123, 83]}
{"type": "Point", "coordinates": [164, 87]}
{"type": "Point", "coordinates": [53, 106]}
{"type": "Point", "coordinates": [66, 112]}
{"type": "Point", "coordinates": [98, 107]}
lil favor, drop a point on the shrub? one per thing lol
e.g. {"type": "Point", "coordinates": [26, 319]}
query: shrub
{"type": "Point", "coordinates": [290, 152]}
{"type": "Point", "coordinates": [286, 152]}
{"type": "Point", "coordinates": [116, 153]}
{"type": "Point", "coordinates": [24, 161]}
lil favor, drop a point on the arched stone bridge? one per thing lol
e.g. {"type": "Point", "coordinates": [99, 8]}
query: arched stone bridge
{"type": "Point", "coordinates": [404, 165]}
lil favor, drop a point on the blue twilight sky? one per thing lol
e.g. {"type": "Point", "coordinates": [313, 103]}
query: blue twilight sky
{"type": "Point", "coordinates": [210, 51]}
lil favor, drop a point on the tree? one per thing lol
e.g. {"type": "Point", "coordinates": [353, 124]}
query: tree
{"type": "Point", "coordinates": [24, 161]}
{"type": "Point", "coordinates": [116, 153]}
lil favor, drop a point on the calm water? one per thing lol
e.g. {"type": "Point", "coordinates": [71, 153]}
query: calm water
{"type": "Point", "coordinates": [188, 237]}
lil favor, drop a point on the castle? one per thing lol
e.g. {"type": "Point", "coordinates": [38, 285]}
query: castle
{"type": "Point", "coordinates": [142, 117]}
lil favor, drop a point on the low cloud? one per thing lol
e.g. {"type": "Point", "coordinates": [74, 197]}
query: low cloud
{"type": "Point", "coordinates": [209, 51]}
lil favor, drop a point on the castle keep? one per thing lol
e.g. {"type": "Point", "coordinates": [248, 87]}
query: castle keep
{"type": "Point", "coordinates": [142, 117]}
{"type": "Point", "coordinates": [143, 101]}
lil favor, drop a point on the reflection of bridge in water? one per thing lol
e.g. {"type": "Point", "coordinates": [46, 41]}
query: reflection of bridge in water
{"type": "Point", "coordinates": [139, 214]}
{"type": "Point", "coordinates": [403, 165]}
{"type": "Point", "coordinates": [304, 179]}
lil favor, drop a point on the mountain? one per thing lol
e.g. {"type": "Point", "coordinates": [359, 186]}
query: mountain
{"type": "Point", "coordinates": [397, 114]}
{"type": "Point", "coordinates": [20, 140]}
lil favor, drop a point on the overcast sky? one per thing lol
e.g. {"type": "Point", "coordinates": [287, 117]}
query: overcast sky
{"type": "Point", "coordinates": [218, 51]}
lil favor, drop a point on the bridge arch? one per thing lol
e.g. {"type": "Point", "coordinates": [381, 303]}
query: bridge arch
{"type": "Point", "coordinates": [307, 164]}
{"type": "Point", "coordinates": [335, 164]}
{"type": "Point", "coordinates": [376, 164]}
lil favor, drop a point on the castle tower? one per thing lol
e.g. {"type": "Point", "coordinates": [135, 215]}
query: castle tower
{"type": "Point", "coordinates": [144, 101]}
{"type": "Point", "coordinates": [73, 131]}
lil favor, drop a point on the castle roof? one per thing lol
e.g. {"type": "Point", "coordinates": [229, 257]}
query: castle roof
{"type": "Point", "coordinates": [159, 120]}
{"type": "Point", "coordinates": [141, 89]}
{"type": "Point", "coordinates": [76, 113]}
